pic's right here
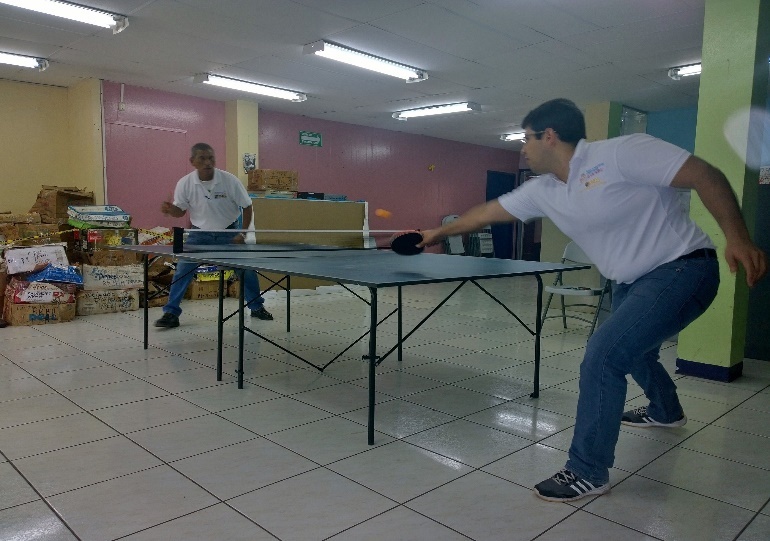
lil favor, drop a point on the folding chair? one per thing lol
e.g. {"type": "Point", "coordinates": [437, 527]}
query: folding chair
{"type": "Point", "coordinates": [574, 254]}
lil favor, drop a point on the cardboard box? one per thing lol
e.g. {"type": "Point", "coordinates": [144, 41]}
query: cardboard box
{"type": "Point", "coordinates": [20, 218]}
{"type": "Point", "coordinates": [157, 294]}
{"type": "Point", "coordinates": [23, 292]}
{"type": "Point", "coordinates": [273, 179]}
{"type": "Point", "coordinates": [8, 232]}
{"type": "Point", "coordinates": [110, 258]}
{"type": "Point", "coordinates": [202, 290]}
{"type": "Point", "coordinates": [107, 301]}
{"type": "Point", "coordinates": [26, 259]}
{"type": "Point", "coordinates": [38, 314]}
{"type": "Point", "coordinates": [36, 234]}
{"type": "Point", "coordinates": [88, 240]}
{"type": "Point", "coordinates": [53, 201]}
{"type": "Point", "coordinates": [99, 213]}
{"type": "Point", "coordinates": [122, 277]}
{"type": "Point", "coordinates": [3, 284]}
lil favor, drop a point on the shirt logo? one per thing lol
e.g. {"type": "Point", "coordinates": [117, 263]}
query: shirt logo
{"type": "Point", "coordinates": [591, 179]}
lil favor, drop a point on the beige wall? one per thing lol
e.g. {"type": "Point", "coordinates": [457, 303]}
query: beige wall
{"type": "Point", "coordinates": [35, 139]}
{"type": "Point", "coordinates": [52, 136]}
{"type": "Point", "coordinates": [86, 168]}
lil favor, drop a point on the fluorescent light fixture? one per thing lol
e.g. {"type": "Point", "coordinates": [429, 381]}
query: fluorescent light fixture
{"type": "Point", "coordinates": [246, 86]}
{"type": "Point", "coordinates": [365, 60]}
{"type": "Point", "coordinates": [684, 71]}
{"type": "Point", "coordinates": [463, 107]}
{"type": "Point", "coordinates": [41, 64]}
{"type": "Point", "coordinates": [515, 136]}
{"type": "Point", "coordinates": [74, 12]}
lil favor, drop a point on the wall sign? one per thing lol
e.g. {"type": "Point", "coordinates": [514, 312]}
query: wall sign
{"type": "Point", "coordinates": [310, 138]}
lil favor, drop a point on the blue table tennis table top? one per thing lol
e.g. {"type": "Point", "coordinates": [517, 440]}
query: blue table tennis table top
{"type": "Point", "coordinates": [365, 267]}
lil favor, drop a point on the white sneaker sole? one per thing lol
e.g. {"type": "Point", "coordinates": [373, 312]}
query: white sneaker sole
{"type": "Point", "coordinates": [598, 491]}
{"type": "Point", "coordinates": [655, 424]}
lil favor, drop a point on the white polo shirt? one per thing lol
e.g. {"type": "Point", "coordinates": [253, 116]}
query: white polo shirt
{"type": "Point", "coordinates": [617, 205]}
{"type": "Point", "coordinates": [214, 204]}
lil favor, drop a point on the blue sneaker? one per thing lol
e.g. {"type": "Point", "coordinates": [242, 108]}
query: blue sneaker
{"type": "Point", "coordinates": [566, 486]}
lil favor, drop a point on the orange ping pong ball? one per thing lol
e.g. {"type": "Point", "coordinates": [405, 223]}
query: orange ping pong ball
{"type": "Point", "coordinates": [382, 213]}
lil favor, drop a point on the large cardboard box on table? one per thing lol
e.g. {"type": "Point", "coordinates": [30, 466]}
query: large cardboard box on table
{"type": "Point", "coordinates": [107, 301]}
{"type": "Point", "coordinates": [308, 215]}
{"type": "Point", "coordinates": [273, 179]}
{"type": "Point", "coordinates": [121, 277]}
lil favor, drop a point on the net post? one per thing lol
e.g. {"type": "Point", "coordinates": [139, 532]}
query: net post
{"type": "Point", "coordinates": [178, 240]}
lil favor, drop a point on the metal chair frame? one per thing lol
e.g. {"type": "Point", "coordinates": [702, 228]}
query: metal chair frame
{"type": "Point", "coordinates": [574, 254]}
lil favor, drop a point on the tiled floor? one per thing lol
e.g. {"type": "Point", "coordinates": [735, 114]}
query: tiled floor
{"type": "Point", "coordinates": [101, 439]}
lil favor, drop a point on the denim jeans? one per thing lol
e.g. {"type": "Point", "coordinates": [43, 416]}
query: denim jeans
{"type": "Point", "coordinates": [644, 314]}
{"type": "Point", "coordinates": [185, 272]}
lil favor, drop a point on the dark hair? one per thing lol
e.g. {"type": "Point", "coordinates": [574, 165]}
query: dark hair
{"type": "Point", "coordinates": [562, 116]}
{"type": "Point", "coordinates": [199, 146]}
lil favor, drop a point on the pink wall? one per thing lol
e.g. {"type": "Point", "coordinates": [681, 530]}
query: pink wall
{"type": "Point", "coordinates": [419, 179]}
{"type": "Point", "coordinates": [389, 169]}
{"type": "Point", "coordinates": [148, 147]}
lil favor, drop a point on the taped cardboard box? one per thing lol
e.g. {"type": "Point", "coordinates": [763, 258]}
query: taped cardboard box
{"type": "Point", "coordinates": [37, 234]}
{"type": "Point", "coordinates": [53, 201]}
{"type": "Point", "coordinates": [38, 314]}
{"type": "Point", "coordinates": [27, 259]}
{"type": "Point", "coordinates": [273, 179]}
{"type": "Point", "coordinates": [88, 240]}
{"type": "Point", "coordinates": [121, 277]}
{"type": "Point", "coordinates": [108, 301]}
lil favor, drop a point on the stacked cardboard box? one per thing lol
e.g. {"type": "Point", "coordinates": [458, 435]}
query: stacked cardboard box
{"type": "Point", "coordinates": [273, 179]}
{"type": "Point", "coordinates": [26, 229]}
{"type": "Point", "coordinates": [53, 201]}
{"type": "Point", "coordinates": [35, 303]}
{"type": "Point", "coordinates": [108, 289]}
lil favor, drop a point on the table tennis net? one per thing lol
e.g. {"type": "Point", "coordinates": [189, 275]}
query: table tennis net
{"type": "Point", "coordinates": [284, 240]}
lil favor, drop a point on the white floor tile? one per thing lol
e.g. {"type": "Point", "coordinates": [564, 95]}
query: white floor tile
{"type": "Point", "coordinates": [151, 440]}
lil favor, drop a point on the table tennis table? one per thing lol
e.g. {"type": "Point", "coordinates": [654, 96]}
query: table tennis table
{"type": "Point", "coordinates": [370, 268]}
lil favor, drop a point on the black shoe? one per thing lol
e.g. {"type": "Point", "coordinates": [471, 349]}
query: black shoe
{"type": "Point", "coordinates": [638, 417]}
{"type": "Point", "coordinates": [168, 321]}
{"type": "Point", "coordinates": [566, 486]}
{"type": "Point", "coordinates": [261, 313]}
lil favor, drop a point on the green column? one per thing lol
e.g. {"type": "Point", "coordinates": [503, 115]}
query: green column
{"type": "Point", "coordinates": [736, 45]}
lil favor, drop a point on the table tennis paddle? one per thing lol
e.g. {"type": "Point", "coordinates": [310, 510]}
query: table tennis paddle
{"type": "Point", "coordinates": [405, 243]}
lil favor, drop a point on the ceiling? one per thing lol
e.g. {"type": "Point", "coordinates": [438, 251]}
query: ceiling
{"type": "Point", "coordinates": [507, 55]}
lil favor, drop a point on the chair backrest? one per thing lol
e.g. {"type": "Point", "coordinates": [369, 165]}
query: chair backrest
{"type": "Point", "coordinates": [575, 254]}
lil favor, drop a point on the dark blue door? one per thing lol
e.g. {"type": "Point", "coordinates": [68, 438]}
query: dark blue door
{"type": "Point", "coordinates": [499, 183]}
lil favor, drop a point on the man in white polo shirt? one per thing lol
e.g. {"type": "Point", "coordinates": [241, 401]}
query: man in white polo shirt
{"type": "Point", "coordinates": [215, 199]}
{"type": "Point", "coordinates": [617, 199]}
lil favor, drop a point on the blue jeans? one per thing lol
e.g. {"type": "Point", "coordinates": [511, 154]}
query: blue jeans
{"type": "Point", "coordinates": [644, 314]}
{"type": "Point", "coordinates": [185, 272]}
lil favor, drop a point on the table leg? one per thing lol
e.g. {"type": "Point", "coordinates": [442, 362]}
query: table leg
{"type": "Point", "coordinates": [146, 261]}
{"type": "Point", "coordinates": [400, 327]}
{"type": "Point", "coordinates": [372, 360]}
{"type": "Point", "coordinates": [220, 322]}
{"type": "Point", "coordinates": [538, 332]}
{"type": "Point", "coordinates": [241, 325]}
